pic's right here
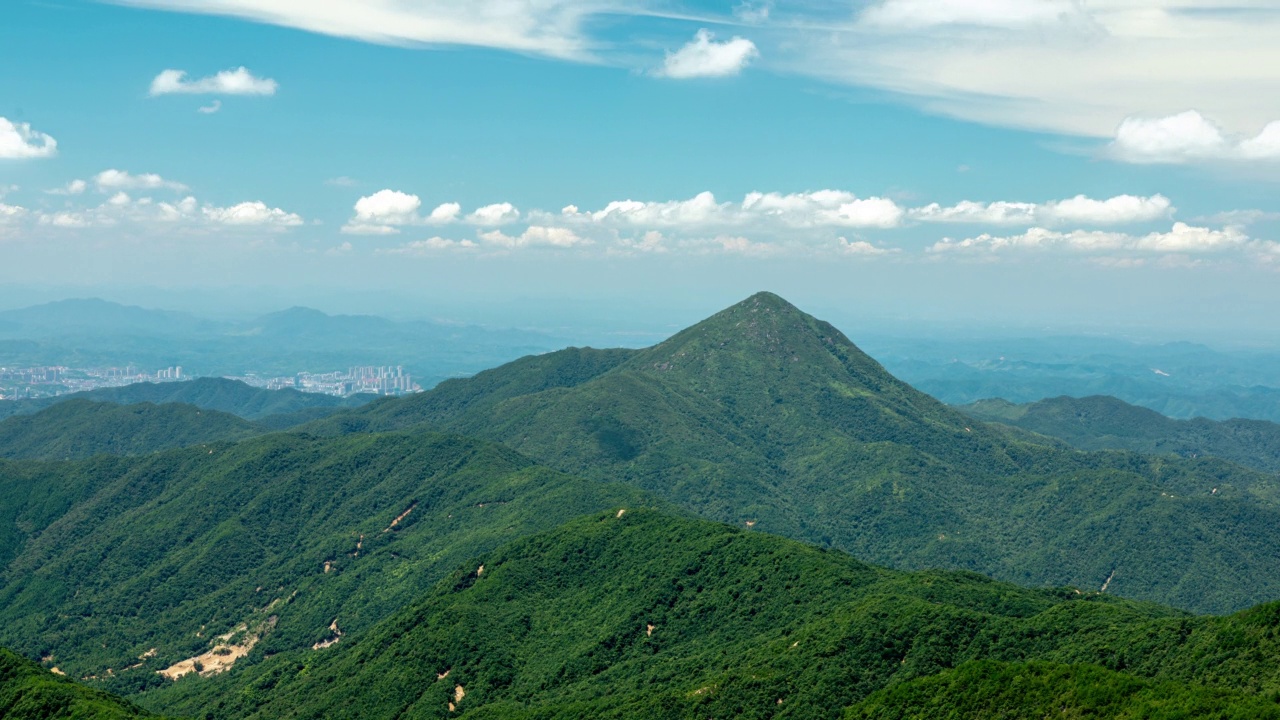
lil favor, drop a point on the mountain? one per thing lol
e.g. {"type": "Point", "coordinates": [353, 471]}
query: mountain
{"type": "Point", "coordinates": [221, 394]}
{"type": "Point", "coordinates": [764, 415]}
{"type": "Point", "coordinates": [95, 333]}
{"type": "Point", "coordinates": [121, 567]}
{"type": "Point", "coordinates": [81, 428]}
{"type": "Point", "coordinates": [639, 614]}
{"type": "Point", "coordinates": [1107, 423]}
{"type": "Point", "coordinates": [1179, 380]}
{"type": "Point", "coordinates": [29, 692]}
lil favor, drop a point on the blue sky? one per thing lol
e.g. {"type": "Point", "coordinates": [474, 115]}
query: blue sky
{"type": "Point", "coordinates": [1033, 162]}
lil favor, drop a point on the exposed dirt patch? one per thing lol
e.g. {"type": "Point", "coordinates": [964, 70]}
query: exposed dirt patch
{"type": "Point", "coordinates": [332, 639]}
{"type": "Point", "coordinates": [649, 631]}
{"type": "Point", "coordinates": [56, 671]}
{"type": "Point", "coordinates": [459, 693]}
{"type": "Point", "coordinates": [622, 512]}
{"type": "Point", "coordinates": [443, 675]}
{"type": "Point", "coordinates": [224, 652]}
{"type": "Point", "coordinates": [400, 517]}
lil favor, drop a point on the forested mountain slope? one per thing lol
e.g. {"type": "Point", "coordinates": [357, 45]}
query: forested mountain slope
{"type": "Point", "coordinates": [120, 567]}
{"type": "Point", "coordinates": [81, 428]}
{"type": "Point", "coordinates": [1105, 423]}
{"type": "Point", "coordinates": [765, 415]}
{"type": "Point", "coordinates": [30, 692]}
{"type": "Point", "coordinates": [639, 614]}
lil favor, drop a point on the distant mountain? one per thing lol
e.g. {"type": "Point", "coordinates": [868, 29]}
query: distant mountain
{"type": "Point", "coordinates": [640, 614]}
{"type": "Point", "coordinates": [94, 317]}
{"type": "Point", "coordinates": [30, 692]}
{"type": "Point", "coordinates": [221, 394]}
{"type": "Point", "coordinates": [121, 567]}
{"type": "Point", "coordinates": [1179, 380]}
{"type": "Point", "coordinates": [1107, 423]}
{"type": "Point", "coordinates": [765, 415]}
{"type": "Point", "coordinates": [81, 428]}
{"type": "Point", "coordinates": [92, 333]}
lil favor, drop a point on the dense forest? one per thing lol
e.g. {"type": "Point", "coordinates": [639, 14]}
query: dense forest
{"type": "Point", "coordinates": [752, 519]}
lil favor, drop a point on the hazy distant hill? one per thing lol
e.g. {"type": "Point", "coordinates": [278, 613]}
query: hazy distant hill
{"type": "Point", "coordinates": [229, 396]}
{"type": "Point", "coordinates": [103, 560]}
{"type": "Point", "coordinates": [1106, 423]}
{"type": "Point", "coordinates": [639, 614]}
{"type": "Point", "coordinates": [81, 428]}
{"type": "Point", "coordinates": [1180, 380]}
{"type": "Point", "coordinates": [764, 415]}
{"type": "Point", "coordinates": [90, 333]}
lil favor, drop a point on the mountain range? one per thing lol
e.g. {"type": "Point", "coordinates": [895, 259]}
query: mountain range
{"type": "Point", "coordinates": [751, 519]}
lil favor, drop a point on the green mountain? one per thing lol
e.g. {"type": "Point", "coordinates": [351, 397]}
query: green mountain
{"type": "Point", "coordinates": [81, 428]}
{"type": "Point", "coordinates": [640, 614]}
{"type": "Point", "coordinates": [1106, 423]}
{"type": "Point", "coordinates": [121, 567]}
{"type": "Point", "coordinates": [764, 416]}
{"type": "Point", "coordinates": [29, 692]}
{"type": "Point", "coordinates": [221, 394]}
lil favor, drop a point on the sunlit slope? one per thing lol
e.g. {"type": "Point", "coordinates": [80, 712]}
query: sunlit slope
{"type": "Point", "coordinates": [30, 692]}
{"type": "Point", "coordinates": [765, 415]}
{"type": "Point", "coordinates": [80, 428]}
{"type": "Point", "coordinates": [128, 566]}
{"type": "Point", "coordinates": [645, 615]}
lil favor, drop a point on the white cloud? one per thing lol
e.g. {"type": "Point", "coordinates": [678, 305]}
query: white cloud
{"type": "Point", "coordinates": [1072, 67]}
{"type": "Point", "coordinates": [228, 82]}
{"type": "Point", "coordinates": [1080, 209]}
{"type": "Point", "coordinates": [145, 212]}
{"type": "Point", "coordinates": [535, 235]}
{"type": "Point", "coordinates": [109, 180]}
{"type": "Point", "coordinates": [383, 212]}
{"type": "Point", "coordinates": [9, 213]}
{"type": "Point", "coordinates": [983, 13]}
{"type": "Point", "coordinates": [75, 187]}
{"type": "Point", "coordinates": [862, 247]}
{"type": "Point", "coordinates": [19, 141]}
{"type": "Point", "coordinates": [823, 208]}
{"type": "Point", "coordinates": [492, 215]}
{"type": "Point", "coordinates": [251, 213]}
{"type": "Point", "coordinates": [703, 57]}
{"type": "Point", "coordinates": [753, 12]}
{"type": "Point", "coordinates": [1187, 137]}
{"type": "Point", "coordinates": [445, 213]}
{"type": "Point", "coordinates": [543, 27]}
{"type": "Point", "coordinates": [1182, 238]}
{"type": "Point", "coordinates": [430, 246]}
{"type": "Point", "coordinates": [211, 108]}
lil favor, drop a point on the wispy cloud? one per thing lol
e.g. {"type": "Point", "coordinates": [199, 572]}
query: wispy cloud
{"type": "Point", "coordinates": [211, 108]}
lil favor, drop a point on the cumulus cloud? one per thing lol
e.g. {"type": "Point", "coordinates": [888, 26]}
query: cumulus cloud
{"type": "Point", "coordinates": [75, 187]}
{"type": "Point", "coordinates": [491, 215]}
{"type": "Point", "coordinates": [115, 180]}
{"type": "Point", "coordinates": [704, 57]}
{"type": "Point", "coordinates": [862, 247]}
{"type": "Point", "coordinates": [1080, 209]}
{"type": "Point", "coordinates": [1182, 238]}
{"type": "Point", "coordinates": [534, 236]}
{"type": "Point", "coordinates": [9, 213]}
{"type": "Point", "coordinates": [383, 213]}
{"type": "Point", "coordinates": [251, 213]}
{"type": "Point", "coordinates": [19, 141]}
{"type": "Point", "coordinates": [121, 209]}
{"type": "Point", "coordinates": [386, 212]}
{"type": "Point", "coordinates": [1189, 136]}
{"type": "Point", "coordinates": [228, 82]}
{"type": "Point", "coordinates": [823, 208]}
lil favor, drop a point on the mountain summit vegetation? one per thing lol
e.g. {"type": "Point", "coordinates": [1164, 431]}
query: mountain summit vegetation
{"type": "Point", "coordinates": [765, 416]}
